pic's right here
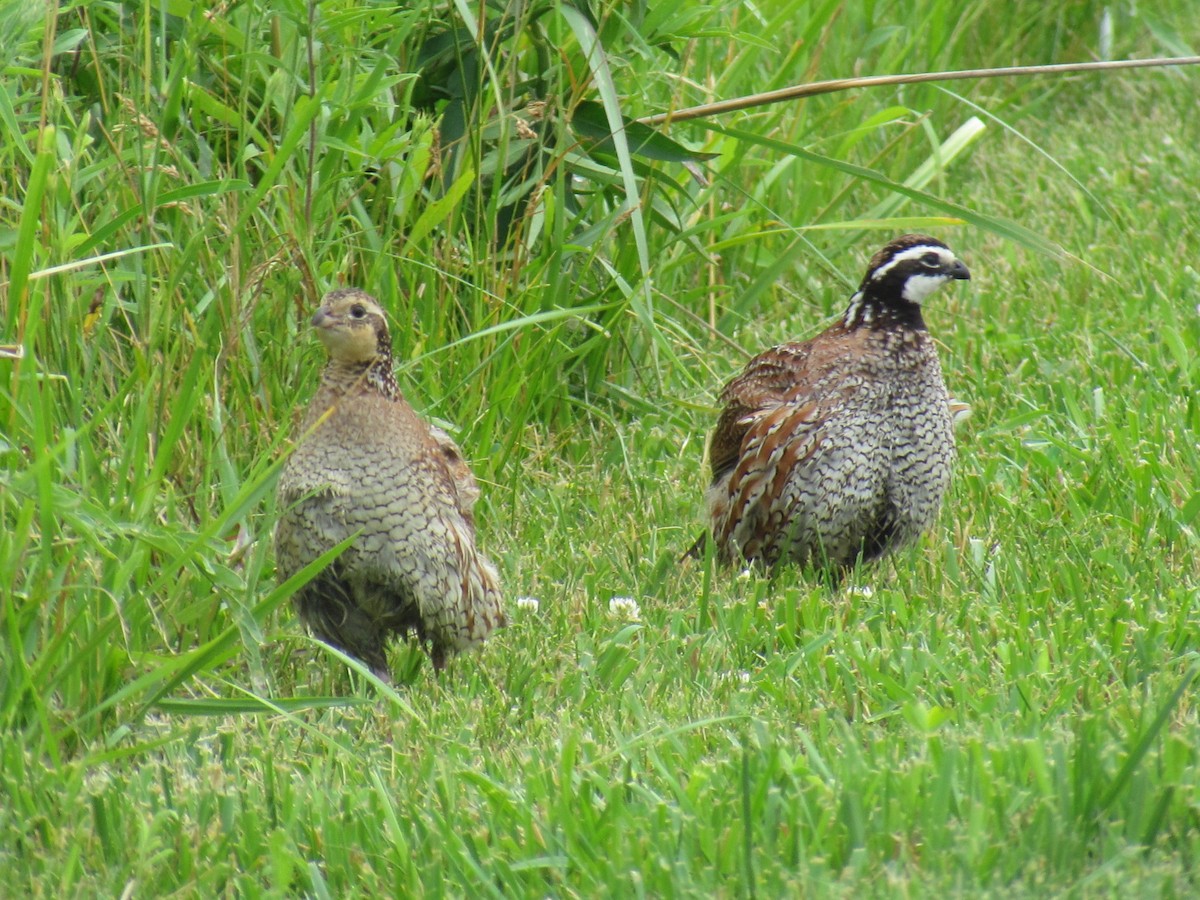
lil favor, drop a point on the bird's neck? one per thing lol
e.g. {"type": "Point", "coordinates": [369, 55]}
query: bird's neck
{"type": "Point", "coordinates": [375, 375]}
{"type": "Point", "coordinates": [868, 310]}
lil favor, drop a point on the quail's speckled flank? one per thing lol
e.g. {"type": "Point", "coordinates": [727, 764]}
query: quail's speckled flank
{"type": "Point", "coordinates": [368, 466]}
{"type": "Point", "coordinates": [840, 448]}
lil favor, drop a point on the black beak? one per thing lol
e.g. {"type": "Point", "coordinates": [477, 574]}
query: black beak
{"type": "Point", "coordinates": [959, 270]}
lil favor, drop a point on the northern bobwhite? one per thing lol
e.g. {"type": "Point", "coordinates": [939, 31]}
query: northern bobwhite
{"type": "Point", "coordinates": [839, 448]}
{"type": "Point", "coordinates": [367, 466]}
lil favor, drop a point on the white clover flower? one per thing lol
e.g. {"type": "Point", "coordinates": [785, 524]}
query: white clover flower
{"type": "Point", "coordinates": [528, 604]}
{"type": "Point", "coordinates": [625, 608]}
{"type": "Point", "coordinates": [96, 782]}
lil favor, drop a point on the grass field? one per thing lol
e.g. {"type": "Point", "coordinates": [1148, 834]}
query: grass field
{"type": "Point", "coordinates": [1007, 709]}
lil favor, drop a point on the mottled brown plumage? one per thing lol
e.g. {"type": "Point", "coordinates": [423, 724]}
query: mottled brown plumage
{"type": "Point", "coordinates": [368, 466]}
{"type": "Point", "coordinates": [840, 448]}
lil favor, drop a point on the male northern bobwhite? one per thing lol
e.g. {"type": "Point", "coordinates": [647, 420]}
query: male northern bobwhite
{"type": "Point", "coordinates": [368, 466]}
{"type": "Point", "coordinates": [840, 448]}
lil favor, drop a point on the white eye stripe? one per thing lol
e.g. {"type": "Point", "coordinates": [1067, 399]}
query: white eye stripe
{"type": "Point", "coordinates": [944, 256]}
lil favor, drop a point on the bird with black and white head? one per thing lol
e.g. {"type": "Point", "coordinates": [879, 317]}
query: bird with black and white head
{"type": "Point", "coordinates": [839, 449]}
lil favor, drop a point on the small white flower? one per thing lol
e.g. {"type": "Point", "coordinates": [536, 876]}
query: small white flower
{"type": "Point", "coordinates": [624, 608]}
{"type": "Point", "coordinates": [528, 604]}
{"type": "Point", "coordinates": [96, 782]}
{"type": "Point", "coordinates": [865, 591]}
{"type": "Point", "coordinates": [744, 677]}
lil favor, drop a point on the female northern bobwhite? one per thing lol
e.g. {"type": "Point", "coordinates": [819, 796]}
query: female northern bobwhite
{"type": "Point", "coordinates": [367, 466]}
{"type": "Point", "coordinates": [840, 448]}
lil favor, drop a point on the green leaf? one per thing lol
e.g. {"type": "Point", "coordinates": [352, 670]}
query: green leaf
{"type": "Point", "coordinates": [589, 121]}
{"type": "Point", "coordinates": [440, 209]}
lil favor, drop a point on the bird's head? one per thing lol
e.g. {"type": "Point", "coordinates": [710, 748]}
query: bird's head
{"type": "Point", "coordinates": [911, 268]}
{"type": "Point", "coordinates": [352, 326]}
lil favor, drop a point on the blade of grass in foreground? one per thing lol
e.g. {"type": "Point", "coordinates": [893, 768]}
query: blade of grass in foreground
{"type": "Point", "coordinates": [941, 157]}
{"type": "Point", "coordinates": [1145, 742]}
{"type": "Point", "coordinates": [643, 301]}
{"type": "Point", "coordinates": [170, 672]}
{"type": "Point", "coordinates": [21, 261]}
{"type": "Point", "coordinates": [239, 706]}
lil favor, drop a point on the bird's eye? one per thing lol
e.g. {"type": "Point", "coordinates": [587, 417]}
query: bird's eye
{"type": "Point", "coordinates": [357, 311]}
{"type": "Point", "coordinates": [931, 259]}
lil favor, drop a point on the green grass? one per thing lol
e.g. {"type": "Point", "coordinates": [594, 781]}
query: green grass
{"type": "Point", "coordinates": [1008, 709]}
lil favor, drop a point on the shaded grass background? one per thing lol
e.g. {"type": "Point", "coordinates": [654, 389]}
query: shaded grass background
{"type": "Point", "coordinates": [1008, 708]}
